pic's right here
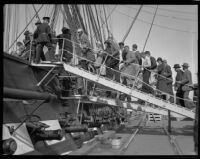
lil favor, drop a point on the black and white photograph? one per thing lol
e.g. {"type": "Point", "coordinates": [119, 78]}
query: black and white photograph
{"type": "Point", "coordinates": [100, 79]}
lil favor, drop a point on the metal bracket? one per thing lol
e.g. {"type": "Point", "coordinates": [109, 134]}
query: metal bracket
{"type": "Point", "coordinates": [39, 83]}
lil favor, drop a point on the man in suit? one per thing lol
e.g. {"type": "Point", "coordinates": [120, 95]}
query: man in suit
{"type": "Point", "coordinates": [186, 82]}
{"type": "Point", "coordinates": [43, 35]}
{"type": "Point", "coordinates": [177, 86]}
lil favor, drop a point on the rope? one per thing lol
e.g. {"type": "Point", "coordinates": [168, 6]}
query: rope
{"type": "Point", "coordinates": [106, 19]}
{"type": "Point", "coordinates": [134, 20]}
{"type": "Point", "coordinates": [89, 25]}
{"type": "Point", "coordinates": [161, 26]}
{"type": "Point", "coordinates": [29, 15]}
{"type": "Point", "coordinates": [174, 10]}
{"type": "Point", "coordinates": [150, 29]}
{"type": "Point", "coordinates": [99, 28]}
{"type": "Point", "coordinates": [24, 29]}
{"type": "Point", "coordinates": [85, 19]}
{"type": "Point", "coordinates": [28, 116]}
{"type": "Point", "coordinates": [36, 12]}
{"type": "Point", "coordinates": [161, 15]}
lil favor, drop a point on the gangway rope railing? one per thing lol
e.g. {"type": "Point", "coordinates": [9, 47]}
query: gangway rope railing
{"type": "Point", "coordinates": [150, 95]}
{"type": "Point", "coordinates": [134, 77]}
{"type": "Point", "coordinates": [122, 73]}
{"type": "Point", "coordinates": [150, 28]}
{"type": "Point", "coordinates": [104, 52]}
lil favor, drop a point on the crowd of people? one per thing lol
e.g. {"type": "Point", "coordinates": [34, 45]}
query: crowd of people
{"type": "Point", "coordinates": [117, 62]}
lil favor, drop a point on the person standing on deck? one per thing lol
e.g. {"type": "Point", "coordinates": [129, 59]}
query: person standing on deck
{"type": "Point", "coordinates": [186, 82]}
{"type": "Point", "coordinates": [34, 44]}
{"type": "Point", "coordinates": [177, 86]}
{"type": "Point", "coordinates": [65, 47]}
{"type": "Point", "coordinates": [43, 35]}
{"type": "Point", "coordinates": [27, 43]}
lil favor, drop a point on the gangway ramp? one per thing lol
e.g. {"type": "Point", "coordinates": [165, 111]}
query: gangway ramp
{"type": "Point", "coordinates": [127, 90]}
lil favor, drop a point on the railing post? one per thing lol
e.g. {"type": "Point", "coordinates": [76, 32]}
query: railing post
{"type": "Point", "coordinates": [61, 57]}
{"type": "Point", "coordinates": [169, 121]}
{"type": "Point", "coordinates": [30, 54]}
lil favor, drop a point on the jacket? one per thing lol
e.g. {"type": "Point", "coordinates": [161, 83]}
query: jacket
{"type": "Point", "coordinates": [179, 77]}
{"type": "Point", "coordinates": [42, 33]}
{"type": "Point", "coordinates": [186, 80]}
{"type": "Point", "coordinates": [67, 45]}
{"type": "Point", "coordinates": [131, 57]}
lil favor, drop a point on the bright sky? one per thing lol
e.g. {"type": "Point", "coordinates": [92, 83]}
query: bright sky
{"type": "Point", "coordinates": [173, 35]}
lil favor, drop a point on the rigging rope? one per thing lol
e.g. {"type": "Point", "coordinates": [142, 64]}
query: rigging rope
{"type": "Point", "coordinates": [134, 20]}
{"type": "Point", "coordinates": [26, 14]}
{"type": "Point", "coordinates": [29, 15]}
{"type": "Point", "coordinates": [99, 28]}
{"type": "Point", "coordinates": [89, 24]}
{"type": "Point", "coordinates": [24, 29]}
{"type": "Point", "coordinates": [106, 20]}
{"type": "Point", "coordinates": [161, 26]}
{"type": "Point", "coordinates": [85, 19]}
{"type": "Point", "coordinates": [150, 29]}
{"type": "Point", "coordinates": [173, 17]}
{"type": "Point", "coordinates": [37, 16]}
{"type": "Point", "coordinates": [174, 10]}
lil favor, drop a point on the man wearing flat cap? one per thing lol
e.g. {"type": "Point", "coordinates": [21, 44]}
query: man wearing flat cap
{"type": "Point", "coordinates": [177, 85]}
{"type": "Point", "coordinates": [43, 35]}
{"type": "Point", "coordinates": [186, 82]}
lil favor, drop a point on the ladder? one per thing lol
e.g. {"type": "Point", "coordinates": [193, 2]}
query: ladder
{"type": "Point", "coordinates": [127, 90]}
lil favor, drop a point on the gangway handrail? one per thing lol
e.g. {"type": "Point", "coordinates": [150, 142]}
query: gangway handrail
{"type": "Point", "coordinates": [127, 90]}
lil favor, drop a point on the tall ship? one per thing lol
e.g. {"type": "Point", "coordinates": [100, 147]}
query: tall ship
{"type": "Point", "coordinates": [70, 88]}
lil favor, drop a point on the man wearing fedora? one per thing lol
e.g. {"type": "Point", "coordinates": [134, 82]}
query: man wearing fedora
{"type": "Point", "coordinates": [43, 36]}
{"type": "Point", "coordinates": [186, 82]}
{"type": "Point", "coordinates": [178, 86]}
